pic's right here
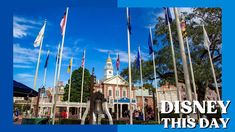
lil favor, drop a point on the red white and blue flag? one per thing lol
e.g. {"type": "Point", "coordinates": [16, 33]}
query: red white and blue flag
{"type": "Point", "coordinates": [63, 23]}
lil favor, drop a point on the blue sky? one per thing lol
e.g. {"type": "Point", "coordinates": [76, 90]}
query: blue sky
{"type": "Point", "coordinates": [98, 30]}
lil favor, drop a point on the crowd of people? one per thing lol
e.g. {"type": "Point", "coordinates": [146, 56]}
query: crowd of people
{"type": "Point", "coordinates": [138, 114]}
{"type": "Point", "coordinates": [149, 114]}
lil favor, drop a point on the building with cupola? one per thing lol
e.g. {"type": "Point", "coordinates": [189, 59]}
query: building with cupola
{"type": "Point", "coordinates": [116, 90]}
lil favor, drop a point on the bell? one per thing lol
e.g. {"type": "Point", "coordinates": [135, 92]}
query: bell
{"type": "Point", "coordinates": [98, 107]}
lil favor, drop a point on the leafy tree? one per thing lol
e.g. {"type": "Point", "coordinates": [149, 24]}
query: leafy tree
{"type": "Point", "coordinates": [76, 83]}
{"type": "Point", "coordinates": [212, 20]}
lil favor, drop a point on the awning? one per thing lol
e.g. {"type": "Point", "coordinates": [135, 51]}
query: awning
{"type": "Point", "coordinates": [21, 90]}
{"type": "Point", "coordinates": [124, 100]}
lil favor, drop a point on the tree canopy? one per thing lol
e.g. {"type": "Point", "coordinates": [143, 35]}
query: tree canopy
{"type": "Point", "coordinates": [76, 83]}
{"type": "Point", "coordinates": [212, 20]}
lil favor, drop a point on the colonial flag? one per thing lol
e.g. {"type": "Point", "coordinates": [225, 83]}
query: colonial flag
{"type": "Point", "coordinates": [138, 59]}
{"type": "Point", "coordinates": [46, 63]}
{"type": "Point", "coordinates": [40, 36]}
{"type": "Point", "coordinates": [83, 59]}
{"type": "Point", "coordinates": [70, 64]}
{"type": "Point", "coordinates": [183, 28]}
{"type": "Point", "coordinates": [150, 44]}
{"type": "Point", "coordinates": [206, 38]}
{"type": "Point", "coordinates": [118, 63]}
{"type": "Point", "coordinates": [128, 20]}
{"type": "Point", "coordinates": [168, 17]}
{"type": "Point", "coordinates": [63, 23]}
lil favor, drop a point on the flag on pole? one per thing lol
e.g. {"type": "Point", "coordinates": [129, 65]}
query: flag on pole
{"type": "Point", "coordinates": [46, 63]}
{"type": "Point", "coordinates": [183, 28]}
{"type": "Point", "coordinates": [150, 44]}
{"type": "Point", "coordinates": [83, 59]}
{"type": "Point", "coordinates": [138, 59]}
{"type": "Point", "coordinates": [168, 17]}
{"type": "Point", "coordinates": [40, 36]}
{"type": "Point", "coordinates": [129, 20]}
{"type": "Point", "coordinates": [63, 23]}
{"type": "Point", "coordinates": [118, 63]}
{"type": "Point", "coordinates": [206, 38]}
{"type": "Point", "coordinates": [70, 64]}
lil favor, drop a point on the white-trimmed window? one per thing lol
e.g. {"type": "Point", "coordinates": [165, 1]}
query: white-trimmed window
{"type": "Point", "coordinates": [110, 92]}
{"type": "Point", "coordinates": [124, 92]}
{"type": "Point", "coordinates": [117, 92]}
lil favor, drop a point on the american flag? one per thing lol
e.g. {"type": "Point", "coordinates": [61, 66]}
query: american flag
{"type": "Point", "coordinates": [63, 23]}
{"type": "Point", "coordinates": [118, 63]}
{"type": "Point", "coordinates": [83, 59]}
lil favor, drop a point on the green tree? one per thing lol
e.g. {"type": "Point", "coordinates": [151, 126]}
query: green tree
{"type": "Point", "coordinates": [76, 83]}
{"type": "Point", "coordinates": [201, 65]}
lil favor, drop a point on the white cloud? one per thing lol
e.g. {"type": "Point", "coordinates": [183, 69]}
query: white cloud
{"type": "Point", "coordinates": [24, 78]}
{"type": "Point", "coordinates": [24, 75]}
{"type": "Point", "coordinates": [21, 66]}
{"type": "Point", "coordinates": [21, 26]}
{"type": "Point", "coordinates": [68, 53]}
{"type": "Point", "coordinates": [122, 54]}
{"type": "Point", "coordinates": [25, 56]}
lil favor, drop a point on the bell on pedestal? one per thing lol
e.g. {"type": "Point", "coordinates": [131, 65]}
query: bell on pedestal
{"type": "Point", "coordinates": [98, 107]}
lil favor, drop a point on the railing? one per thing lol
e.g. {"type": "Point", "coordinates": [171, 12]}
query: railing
{"type": "Point", "coordinates": [62, 104]}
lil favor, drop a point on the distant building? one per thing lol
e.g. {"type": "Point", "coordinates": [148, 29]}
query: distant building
{"type": "Point", "coordinates": [148, 98]}
{"type": "Point", "coordinates": [169, 92]}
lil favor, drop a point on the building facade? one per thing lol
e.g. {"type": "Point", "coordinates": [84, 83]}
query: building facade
{"type": "Point", "coordinates": [116, 90]}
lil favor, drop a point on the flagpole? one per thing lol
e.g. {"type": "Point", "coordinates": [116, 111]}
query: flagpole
{"type": "Point", "coordinates": [117, 98]}
{"type": "Point", "coordinates": [38, 62]}
{"type": "Point", "coordinates": [155, 76]}
{"type": "Point", "coordinates": [54, 89]}
{"type": "Point", "coordinates": [59, 66]}
{"type": "Point", "coordinates": [183, 56]}
{"type": "Point", "coordinates": [44, 83]}
{"type": "Point", "coordinates": [211, 62]}
{"type": "Point", "coordinates": [129, 65]}
{"type": "Point", "coordinates": [191, 69]}
{"type": "Point", "coordinates": [41, 107]}
{"type": "Point", "coordinates": [214, 76]}
{"type": "Point", "coordinates": [62, 45]}
{"type": "Point", "coordinates": [142, 87]}
{"type": "Point", "coordinates": [45, 71]}
{"type": "Point", "coordinates": [44, 78]}
{"type": "Point", "coordinates": [80, 114]}
{"type": "Point", "coordinates": [70, 78]}
{"type": "Point", "coordinates": [174, 63]}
